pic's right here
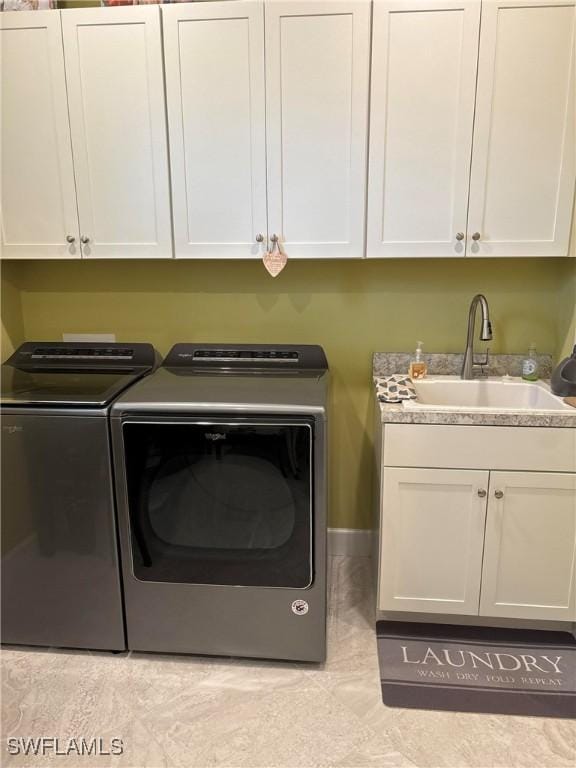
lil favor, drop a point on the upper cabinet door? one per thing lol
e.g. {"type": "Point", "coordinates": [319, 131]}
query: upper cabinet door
{"type": "Point", "coordinates": [117, 117]}
{"type": "Point", "coordinates": [523, 165]}
{"type": "Point", "coordinates": [38, 199]}
{"type": "Point", "coordinates": [216, 115]}
{"type": "Point", "coordinates": [317, 82]}
{"type": "Point", "coordinates": [424, 58]}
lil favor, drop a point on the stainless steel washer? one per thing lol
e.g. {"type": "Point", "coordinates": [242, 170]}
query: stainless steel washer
{"type": "Point", "coordinates": [60, 571]}
{"type": "Point", "coordinates": [220, 460]}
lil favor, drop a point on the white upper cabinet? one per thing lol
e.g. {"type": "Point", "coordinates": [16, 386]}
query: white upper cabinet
{"type": "Point", "coordinates": [317, 88]}
{"type": "Point", "coordinates": [268, 130]}
{"type": "Point", "coordinates": [265, 106]}
{"type": "Point", "coordinates": [424, 57]}
{"type": "Point", "coordinates": [523, 167]}
{"type": "Point", "coordinates": [38, 199]}
{"type": "Point", "coordinates": [465, 167]}
{"type": "Point", "coordinates": [216, 114]}
{"type": "Point", "coordinates": [530, 549]}
{"type": "Point", "coordinates": [117, 118]}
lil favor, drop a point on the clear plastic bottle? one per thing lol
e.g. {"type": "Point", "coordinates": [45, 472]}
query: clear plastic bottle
{"type": "Point", "coordinates": [418, 368]}
{"type": "Point", "coordinates": [530, 365]}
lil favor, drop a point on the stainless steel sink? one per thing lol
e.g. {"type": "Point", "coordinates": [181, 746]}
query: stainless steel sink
{"type": "Point", "coordinates": [488, 395]}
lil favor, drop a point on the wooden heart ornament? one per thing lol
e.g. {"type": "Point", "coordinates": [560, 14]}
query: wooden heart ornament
{"type": "Point", "coordinates": [275, 260]}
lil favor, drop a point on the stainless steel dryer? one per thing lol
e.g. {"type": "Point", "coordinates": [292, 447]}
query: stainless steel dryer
{"type": "Point", "coordinates": [220, 460]}
{"type": "Point", "coordinates": [60, 571]}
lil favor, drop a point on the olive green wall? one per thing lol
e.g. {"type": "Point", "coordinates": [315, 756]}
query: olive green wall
{"type": "Point", "coordinates": [567, 304]}
{"type": "Point", "coordinates": [567, 311]}
{"type": "Point", "coordinates": [352, 308]}
{"type": "Point", "coordinates": [78, 3]}
{"type": "Point", "coordinates": [11, 309]}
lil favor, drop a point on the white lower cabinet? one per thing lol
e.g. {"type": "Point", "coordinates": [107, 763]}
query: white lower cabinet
{"type": "Point", "coordinates": [487, 541]}
{"type": "Point", "coordinates": [530, 548]}
{"type": "Point", "coordinates": [432, 535]}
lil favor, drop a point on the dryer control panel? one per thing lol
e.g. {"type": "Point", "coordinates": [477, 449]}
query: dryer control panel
{"type": "Point", "coordinates": [226, 357]}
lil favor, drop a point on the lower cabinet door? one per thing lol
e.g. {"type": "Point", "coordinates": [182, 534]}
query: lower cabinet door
{"type": "Point", "coordinates": [530, 550]}
{"type": "Point", "coordinates": [432, 539]}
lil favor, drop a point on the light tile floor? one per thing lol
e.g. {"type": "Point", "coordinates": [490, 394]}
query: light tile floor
{"type": "Point", "coordinates": [199, 712]}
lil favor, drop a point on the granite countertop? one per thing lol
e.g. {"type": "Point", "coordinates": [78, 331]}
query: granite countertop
{"type": "Point", "coordinates": [389, 363]}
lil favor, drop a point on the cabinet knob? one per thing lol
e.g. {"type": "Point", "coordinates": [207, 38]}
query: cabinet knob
{"type": "Point", "coordinates": [481, 493]}
{"type": "Point", "coordinates": [476, 236]}
{"type": "Point", "coordinates": [259, 238]}
{"type": "Point", "coordinates": [274, 238]}
{"type": "Point", "coordinates": [460, 236]}
{"type": "Point", "coordinates": [499, 494]}
{"type": "Point", "coordinates": [84, 240]}
{"type": "Point", "coordinates": [70, 239]}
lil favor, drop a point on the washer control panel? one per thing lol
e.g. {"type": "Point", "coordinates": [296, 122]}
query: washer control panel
{"type": "Point", "coordinates": [79, 353]}
{"type": "Point", "coordinates": [54, 355]}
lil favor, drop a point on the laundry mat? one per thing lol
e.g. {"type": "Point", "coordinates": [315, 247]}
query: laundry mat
{"type": "Point", "coordinates": [470, 669]}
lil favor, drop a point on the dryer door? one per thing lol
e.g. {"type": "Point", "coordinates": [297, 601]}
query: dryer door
{"type": "Point", "coordinates": [217, 501]}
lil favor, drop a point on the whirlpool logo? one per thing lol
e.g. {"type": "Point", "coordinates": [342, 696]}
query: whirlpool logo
{"type": "Point", "coordinates": [214, 436]}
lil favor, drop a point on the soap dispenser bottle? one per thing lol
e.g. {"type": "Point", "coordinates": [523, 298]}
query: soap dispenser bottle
{"type": "Point", "coordinates": [418, 368]}
{"type": "Point", "coordinates": [530, 365]}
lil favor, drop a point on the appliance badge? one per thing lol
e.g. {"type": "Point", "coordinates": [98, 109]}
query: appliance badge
{"type": "Point", "coordinates": [12, 430]}
{"type": "Point", "coordinates": [214, 436]}
{"type": "Point", "coordinates": [300, 607]}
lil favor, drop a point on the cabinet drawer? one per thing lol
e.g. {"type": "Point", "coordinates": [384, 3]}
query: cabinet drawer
{"type": "Point", "coordinates": [463, 447]}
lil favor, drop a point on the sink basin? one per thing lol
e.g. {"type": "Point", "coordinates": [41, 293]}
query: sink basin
{"type": "Point", "coordinates": [502, 394]}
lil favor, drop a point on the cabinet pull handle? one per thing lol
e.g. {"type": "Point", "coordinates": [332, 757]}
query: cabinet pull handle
{"type": "Point", "coordinates": [276, 243]}
{"type": "Point", "coordinates": [70, 239]}
{"type": "Point", "coordinates": [259, 238]}
{"type": "Point", "coordinates": [476, 236]}
{"type": "Point", "coordinates": [499, 494]}
{"type": "Point", "coordinates": [460, 236]}
{"type": "Point", "coordinates": [84, 240]}
{"type": "Point", "coordinates": [482, 493]}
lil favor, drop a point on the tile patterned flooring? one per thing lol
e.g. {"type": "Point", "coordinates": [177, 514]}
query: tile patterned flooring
{"type": "Point", "coordinates": [195, 712]}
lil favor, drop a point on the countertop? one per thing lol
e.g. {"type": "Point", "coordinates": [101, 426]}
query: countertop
{"type": "Point", "coordinates": [386, 364]}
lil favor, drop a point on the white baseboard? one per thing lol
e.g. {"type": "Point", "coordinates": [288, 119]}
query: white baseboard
{"type": "Point", "coordinates": [349, 541]}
